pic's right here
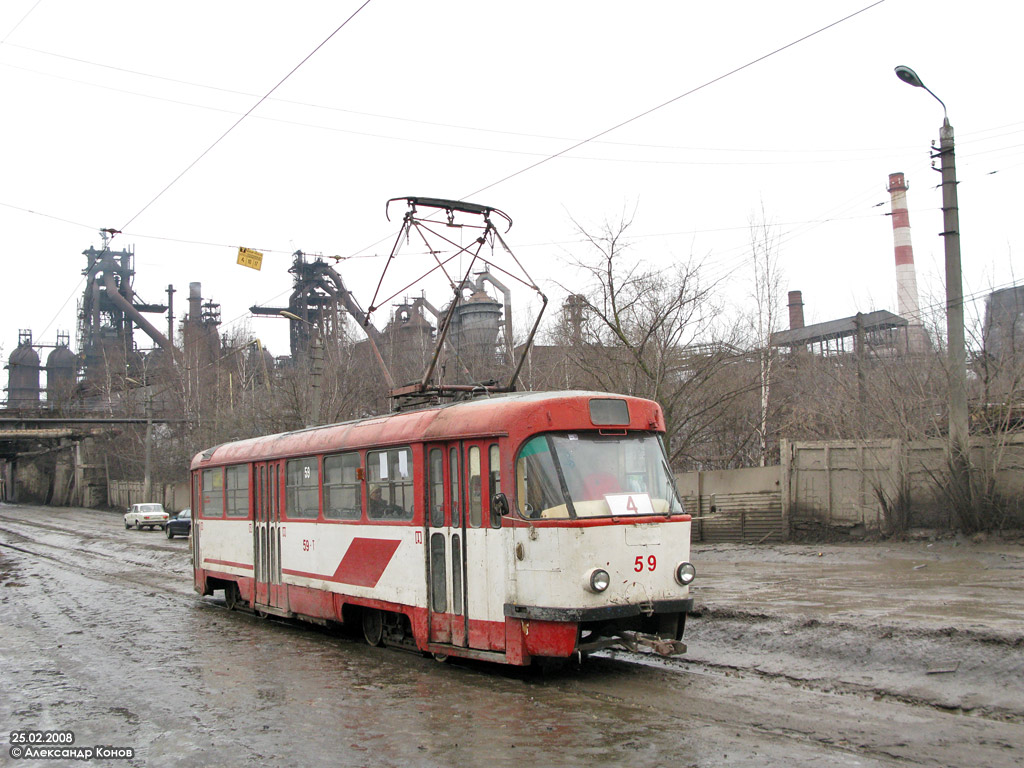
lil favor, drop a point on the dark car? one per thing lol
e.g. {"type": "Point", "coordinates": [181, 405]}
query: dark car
{"type": "Point", "coordinates": [180, 525]}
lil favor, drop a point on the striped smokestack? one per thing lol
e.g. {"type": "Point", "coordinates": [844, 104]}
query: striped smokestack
{"type": "Point", "coordinates": [906, 276]}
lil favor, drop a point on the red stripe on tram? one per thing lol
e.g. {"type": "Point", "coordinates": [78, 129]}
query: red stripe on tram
{"type": "Point", "coordinates": [363, 564]}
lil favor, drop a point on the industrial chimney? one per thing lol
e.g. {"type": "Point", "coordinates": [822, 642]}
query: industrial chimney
{"type": "Point", "coordinates": [796, 310]}
{"type": "Point", "coordinates": [906, 276]}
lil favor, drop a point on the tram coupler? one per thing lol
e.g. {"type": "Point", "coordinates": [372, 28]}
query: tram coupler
{"type": "Point", "coordinates": [663, 646]}
{"type": "Point", "coordinates": [637, 642]}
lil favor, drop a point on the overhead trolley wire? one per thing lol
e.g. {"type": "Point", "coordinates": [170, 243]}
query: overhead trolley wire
{"type": "Point", "coordinates": [647, 112]}
{"type": "Point", "coordinates": [251, 110]}
{"type": "Point", "coordinates": [675, 99]}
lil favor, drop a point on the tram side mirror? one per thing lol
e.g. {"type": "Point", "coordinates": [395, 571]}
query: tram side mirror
{"type": "Point", "coordinates": [499, 508]}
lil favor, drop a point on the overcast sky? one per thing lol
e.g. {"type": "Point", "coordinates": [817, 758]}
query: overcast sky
{"type": "Point", "coordinates": [106, 103]}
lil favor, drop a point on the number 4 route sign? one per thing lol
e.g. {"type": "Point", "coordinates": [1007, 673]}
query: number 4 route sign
{"type": "Point", "coordinates": [629, 503]}
{"type": "Point", "coordinates": [250, 258]}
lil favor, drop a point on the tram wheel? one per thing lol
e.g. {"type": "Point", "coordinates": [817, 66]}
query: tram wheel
{"type": "Point", "coordinates": [441, 658]}
{"type": "Point", "coordinates": [373, 626]}
{"type": "Point", "coordinates": [231, 596]}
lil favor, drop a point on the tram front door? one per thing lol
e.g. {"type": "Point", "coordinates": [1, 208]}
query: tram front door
{"type": "Point", "coordinates": [267, 539]}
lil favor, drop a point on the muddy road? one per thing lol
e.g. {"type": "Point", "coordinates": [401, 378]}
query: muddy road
{"type": "Point", "coordinates": [799, 656]}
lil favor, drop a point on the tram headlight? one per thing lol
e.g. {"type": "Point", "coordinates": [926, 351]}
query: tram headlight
{"type": "Point", "coordinates": [597, 580]}
{"type": "Point", "coordinates": [685, 574]}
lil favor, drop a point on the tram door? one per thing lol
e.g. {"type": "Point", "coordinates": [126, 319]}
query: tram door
{"type": "Point", "coordinates": [485, 558]}
{"type": "Point", "coordinates": [463, 549]}
{"type": "Point", "coordinates": [267, 537]}
{"type": "Point", "coordinates": [197, 502]}
{"type": "Point", "coordinates": [445, 546]}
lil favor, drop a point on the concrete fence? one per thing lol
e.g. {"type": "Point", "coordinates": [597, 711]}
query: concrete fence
{"type": "Point", "coordinates": [851, 487]}
{"type": "Point", "coordinates": [892, 484]}
{"type": "Point", "coordinates": [735, 505]}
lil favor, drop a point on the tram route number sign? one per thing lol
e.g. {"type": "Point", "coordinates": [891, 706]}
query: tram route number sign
{"type": "Point", "coordinates": [629, 503]}
{"type": "Point", "coordinates": [250, 258]}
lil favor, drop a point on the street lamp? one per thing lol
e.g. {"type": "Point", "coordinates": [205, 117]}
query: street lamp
{"type": "Point", "coordinates": [957, 357]}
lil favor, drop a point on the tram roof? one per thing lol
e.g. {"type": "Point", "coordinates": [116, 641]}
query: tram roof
{"type": "Point", "coordinates": [497, 414]}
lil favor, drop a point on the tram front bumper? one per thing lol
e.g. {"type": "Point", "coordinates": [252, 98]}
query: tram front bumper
{"type": "Point", "coordinates": [599, 613]}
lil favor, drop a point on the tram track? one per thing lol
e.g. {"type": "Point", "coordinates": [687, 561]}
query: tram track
{"type": "Point", "coordinates": [111, 567]}
{"type": "Point", "coordinates": [785, 714]}
{"type": "Point", "coordinates": [832, 686]}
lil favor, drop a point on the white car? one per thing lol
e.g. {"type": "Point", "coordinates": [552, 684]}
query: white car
{"type": "Point", "coordinates": [145, 516]}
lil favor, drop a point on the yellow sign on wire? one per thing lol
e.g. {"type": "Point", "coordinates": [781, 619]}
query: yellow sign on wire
{"type": "Point", "coordinates": [250, 258]}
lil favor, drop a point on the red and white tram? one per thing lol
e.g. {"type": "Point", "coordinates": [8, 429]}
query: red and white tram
{"type": "Point", "coordinates": [506, 528]}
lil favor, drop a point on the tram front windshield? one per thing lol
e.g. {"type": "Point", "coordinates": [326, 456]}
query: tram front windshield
{"type": "Point", "coordinates": [570, 474]}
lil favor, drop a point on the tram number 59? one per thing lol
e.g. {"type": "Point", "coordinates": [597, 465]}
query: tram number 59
{"type": "Point", "coordinates": [638, 564]}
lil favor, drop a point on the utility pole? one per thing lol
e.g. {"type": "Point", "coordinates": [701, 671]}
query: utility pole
{"type": "Point", "coordinates": [147, 483]}
{"type": "Point", "coordinates": [959, 427]}
{"type": "Point", "coordinates": [316, 359]}
{"type": "Point", "coordinates": [170, 314]}
{"type": "Point", "coordinates": [954, 288]}
{"type": "Point", "coordinates": [859, 353]}
{"type": "Point", "coordinates": [316, 365]}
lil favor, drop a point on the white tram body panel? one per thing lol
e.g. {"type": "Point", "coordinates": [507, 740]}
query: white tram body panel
{"type": "Point", "coordinates": [368, 561]}
{"type": "Point", "coordinates": [226, 545]}
{"type": "Point", "coordinates": [640, 560]}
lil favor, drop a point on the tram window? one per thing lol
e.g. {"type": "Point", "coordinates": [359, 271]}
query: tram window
{"type": "Point", "coordinates": [453, 486]}
{"type": "Point", "coordinates": [475, 503]}
{"type": "Point", "coordinates": [536, 478]}
{"type": "Point", "coordinates": [389, 474]}
{"type": "Point", "coordinates": [436, 488]}
{"type": "Point", "coordinates": [438, 583]}
{"type": "Point", "coordinates": [213, 492]}
{"type": "Point", "coordinates": [302, 488]}
{"type": "Point", "coordinates": [585, 474]}
{"type": "Point", "coordinates": [238, 491]}
{"type": "Point", "coordinates": [456, 574]}
{"type": "Point", "coordinates": [343, 493]}
{"type": "Point", "coordinates": [493, 480]}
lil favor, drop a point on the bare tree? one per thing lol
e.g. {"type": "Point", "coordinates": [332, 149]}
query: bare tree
{"type": "Point", "coordinates": [649, 332]}
{"type": "Point", "coordinates": [764, 252]}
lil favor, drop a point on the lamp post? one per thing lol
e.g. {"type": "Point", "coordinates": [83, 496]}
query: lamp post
{"type": "Point", "coordinates": [957, 356]}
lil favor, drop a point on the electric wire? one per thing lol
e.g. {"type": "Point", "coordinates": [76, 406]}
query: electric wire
{"type": "Point", "coordinates": [814, 222]}
{"type": "Point", "coordinates": [57, 314]}
{"type": "Point", "coordinates": [48, 216]}
{"type": "Point", "coordinates": [839, 156]}
{"type": "Point", "coordinates": [647, 112]}
{"type": "Point", "coordinates": [251, 110]}
{"type": "Point", "coordinates": [674, 99]}
{"type": "Point", "coordinates": [397, 118]}
{"type": "Point", "coordinates": [962, 138]}
{"type": "Point", "coordinates": [27, 14]}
